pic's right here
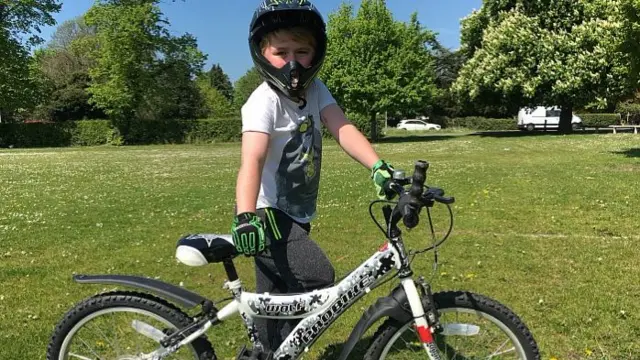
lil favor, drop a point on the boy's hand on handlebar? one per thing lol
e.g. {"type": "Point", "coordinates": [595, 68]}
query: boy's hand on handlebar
{"type": "Point", "coordinates": [381, 173]}
{"type": "Point", "coordinates": [247, 232]}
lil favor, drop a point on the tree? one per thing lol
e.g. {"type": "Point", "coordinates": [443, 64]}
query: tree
{"type": "Point", "coordinates": [19, 18]}
{"type": "Point", "coordinates": [22, 17]}
{"type": "Point", "coordinates": [215, 104]}
{"type": "Point", "coordinates": [132, 46]}
{"type": "Point", "coordinates": [376, 64]}
{"type": "Point", "coordinates": [245, 86]}
{"type": "Point", "coordinates": [63, 66]}
{"type": "Point", "coordinates": [552, 52]}
{"type": "Point", "coordinates": [174, 93]}
{"type": "Point", "coordinates": [220, 81]}
{"type": "Point", "coordinates": [69, 32]}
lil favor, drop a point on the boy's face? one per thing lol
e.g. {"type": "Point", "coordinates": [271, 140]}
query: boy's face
{"type": "Point", "coordinates": [283, 48]}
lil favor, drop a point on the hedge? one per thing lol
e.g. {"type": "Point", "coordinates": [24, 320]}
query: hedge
{"type": "Point", "coordinates": [599, 120]}
{"type": "Point", "coordinates": [103, 132]}
{"type": "Point", "coordinates": [480, 123]}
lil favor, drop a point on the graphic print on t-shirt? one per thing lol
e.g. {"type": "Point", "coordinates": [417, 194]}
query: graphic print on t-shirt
{"type": "Point", "coordinates": [299, 170]}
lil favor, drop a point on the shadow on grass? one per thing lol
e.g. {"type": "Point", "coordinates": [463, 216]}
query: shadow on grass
{"type": "Point", "coordinates": [428, 137]}
{"type": "Point", "coordinates": [332, 352]}
{"type": "Point", "coordinates": [635, 152]}
{"type": "Point", "coordinates": [520, 133]}
{"type": "Point", "coordinates": [392, 139]}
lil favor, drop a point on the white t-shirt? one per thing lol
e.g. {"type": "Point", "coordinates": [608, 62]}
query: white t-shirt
{"type": "Point", "coordinates": [291, 170]}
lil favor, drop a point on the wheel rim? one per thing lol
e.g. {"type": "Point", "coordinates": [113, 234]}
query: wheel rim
{"type": "Point", "coordinates": [508, 348]}
{"type": "Point", "coordinates": [122, 338]}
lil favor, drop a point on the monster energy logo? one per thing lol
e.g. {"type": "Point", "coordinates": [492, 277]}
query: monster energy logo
{"type": "Point", "coordinates": [327, 318]}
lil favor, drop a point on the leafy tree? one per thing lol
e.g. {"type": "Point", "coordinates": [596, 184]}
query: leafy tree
{"type": "Point", "coordinates": [220, 81]}
{"type": "Point", "coordinates": [245, 86]}
{"type": "Point", "coordinates": [63, 66]}
{"type": "Point", "coordinates": [19, 18]}
{"type": "Point", "coordinates": [551, 52]}
{"type": "Point", "coordinates": [215, 104]}
{"type": "Point", "coordinates": [69, 32]}
{"type": "Point", "coordinates": [174, 93]}
{"type": "Point", "coordinates": [138, 65]}
{"type": "Point", "coordinates": [376, 64]}
{"type": "Point", "coordinates": [22, 17]}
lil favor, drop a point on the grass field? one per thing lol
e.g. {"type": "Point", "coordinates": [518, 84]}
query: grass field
{"type": "Point", "coordinates": [547, 225]}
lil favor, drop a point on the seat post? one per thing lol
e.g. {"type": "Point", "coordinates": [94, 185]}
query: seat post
{"type": "Point", "coordinates": [230, 268]}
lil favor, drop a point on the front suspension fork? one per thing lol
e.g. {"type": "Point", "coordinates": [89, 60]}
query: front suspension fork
{"type": "Point", "coordinates": [426, 320]}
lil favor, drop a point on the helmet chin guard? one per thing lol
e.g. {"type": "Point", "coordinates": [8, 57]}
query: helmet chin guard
{"type": "Point", "coordinates": [292, 79]}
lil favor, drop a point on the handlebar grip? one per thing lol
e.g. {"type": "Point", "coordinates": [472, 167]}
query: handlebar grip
{"type": "Point", "coordinates": [419, 177]}
{"type": "Point", "coordinates": [410, 218]}
{"type": "Point", "coordinates": [444, 200]}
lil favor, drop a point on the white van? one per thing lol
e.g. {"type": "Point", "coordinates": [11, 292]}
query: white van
{"type": "Point", "coordinates": [541, 117]}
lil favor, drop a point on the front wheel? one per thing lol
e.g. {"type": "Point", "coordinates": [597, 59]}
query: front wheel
{"type": "Point", "coordinates": [474, 327]}
{"type": "Point", "coordinates": [122, 326]}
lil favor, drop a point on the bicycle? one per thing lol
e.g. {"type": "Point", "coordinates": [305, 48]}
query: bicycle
{"type": "Point", "coordinates": [411, 307]}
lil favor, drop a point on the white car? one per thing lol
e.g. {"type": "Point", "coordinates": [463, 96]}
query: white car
{"type": "Point", "coordinates": [415, 124]}
{"type": "Point", "coordinates": [542, 117]}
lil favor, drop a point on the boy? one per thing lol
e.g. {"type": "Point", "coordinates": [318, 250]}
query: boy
{"type": "Point", "coordinates": [277, 183]}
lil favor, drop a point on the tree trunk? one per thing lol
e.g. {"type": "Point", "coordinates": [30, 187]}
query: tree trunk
{"type": "Point", "coordinates": [374, 126]}
{"type": "Point", "coordinates": [566, 115]}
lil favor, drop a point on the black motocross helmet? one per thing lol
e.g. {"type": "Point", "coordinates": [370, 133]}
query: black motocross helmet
{"type": "Point", "coordinates": [293, 78]}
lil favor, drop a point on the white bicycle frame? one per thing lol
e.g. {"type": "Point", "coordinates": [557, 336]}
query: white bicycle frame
{"type": "Point", "coordinates": [319, 308]}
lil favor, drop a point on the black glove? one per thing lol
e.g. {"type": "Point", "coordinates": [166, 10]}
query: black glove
{"type": "Point", "coordinates": [247, 232]}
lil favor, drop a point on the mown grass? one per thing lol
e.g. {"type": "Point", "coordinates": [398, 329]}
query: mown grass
{"type": "Point", "coordinates": [547, 225]}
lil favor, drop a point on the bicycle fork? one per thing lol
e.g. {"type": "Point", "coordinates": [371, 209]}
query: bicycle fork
{"type": "Point", "coordinates": [425, 324]}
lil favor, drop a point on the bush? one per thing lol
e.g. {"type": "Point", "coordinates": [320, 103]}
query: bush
{"type": "Point", "coordinates": [68, 133]}
{"type": "Point", "coordinates": [630, 112]}
{"type": "Point", "coordinates": [599, 120]}
{"type": "Point", "coordinates": [92, 133]}
{"type": "Point", "coordinates": [480, 123]}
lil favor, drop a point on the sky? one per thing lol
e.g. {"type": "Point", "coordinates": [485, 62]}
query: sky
{"type": "Point", "coordinates": [221, 27]}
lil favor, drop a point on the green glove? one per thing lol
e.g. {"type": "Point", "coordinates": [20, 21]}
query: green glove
{"type": "Point", "coordinates": [247, 232]}
{"type": "Point", "coordinates": [381, 173]}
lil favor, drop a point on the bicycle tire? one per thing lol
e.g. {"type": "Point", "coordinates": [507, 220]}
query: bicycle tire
{"type": "Point", "coordinates": [121, 301]}
{"type": "Point", "coordinates": [461, 301]}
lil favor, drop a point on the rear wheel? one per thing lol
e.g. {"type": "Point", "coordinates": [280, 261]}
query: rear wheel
{"type": "Point", "coordinates": [530, 127]}
{"type": "Point", "coordinates": [122, 326]}
{"type": "Point", "coordinates": [475, 327]}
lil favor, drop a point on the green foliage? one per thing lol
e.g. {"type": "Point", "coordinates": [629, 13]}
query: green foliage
{"type": "Point", "coordinates": [21, 17]}
{"type": "Point", "coordinates": [599, 120]}
{"type": "Point", "coordinates": [63, 74]}
{"type": "Point", "coordinates": [245, 86]}
{"type": "Point", "coordinates": [69, 32]}
{"type": "Point", "coordinates": [18, 19]}
{"type": "Point", "coordinates": [182, 131]}
{"type": "Point", "coordinates": [556, 52]}
{"type": "Point", "coordinates": [361, 121]}
{"type": "Point", "coordinates": [68, 133]}
{"type": "Point", "coordinates": [481, 123]}
{"type": "Point", "coordinates": [215, 104]}
{"type": "Point", "coordinates": [631, 28]}
{"type": "Point", "coordinates": [220, 81]}
{"type": "Point", "coordinates": [630, 112]}
{"type": "Point", "coordinates": [376, 64]}
{"type": "Point", "coordinates": [140, 70]}
{"type": "Point", "coordinates": [103, 132]}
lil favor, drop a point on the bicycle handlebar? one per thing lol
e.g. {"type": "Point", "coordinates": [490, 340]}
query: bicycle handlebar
{"type": "Point", "coordinates": [412, 201]}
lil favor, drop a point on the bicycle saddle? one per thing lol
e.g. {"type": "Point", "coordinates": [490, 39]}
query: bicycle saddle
{"type": "Point", "coordinates": [202, 249]}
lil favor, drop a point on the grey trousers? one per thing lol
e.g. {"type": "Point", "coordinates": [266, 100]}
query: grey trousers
{"type": "Point", "coordinates": [291, 263]}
